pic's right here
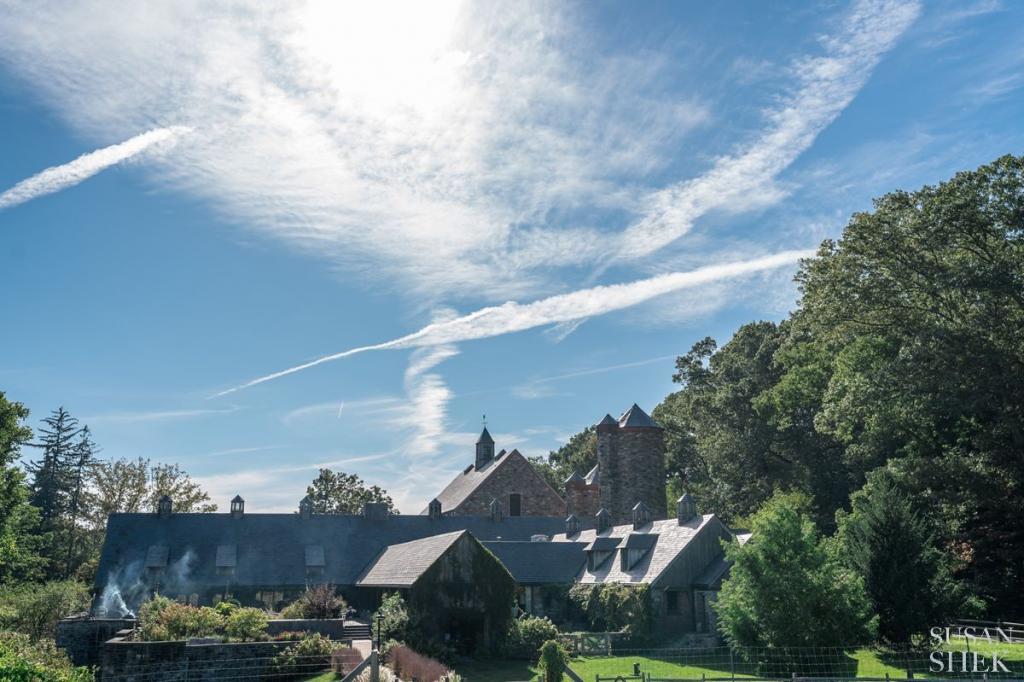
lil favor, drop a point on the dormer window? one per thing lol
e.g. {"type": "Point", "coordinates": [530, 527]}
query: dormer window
{"type": "Point", "coordinates": [595, 558]}
{"type": "Point", "coordinates": [599, 551]}
{"type": "Point", "coordinates": [635, 548]}
{"type": "Point", "coordinates": [227, 559]}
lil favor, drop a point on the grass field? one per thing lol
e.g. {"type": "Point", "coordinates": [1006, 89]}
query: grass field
{"type": "Point", "coordinates": [693, 665]}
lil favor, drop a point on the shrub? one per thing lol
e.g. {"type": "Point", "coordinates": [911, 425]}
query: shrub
{"type": "Point", "coordinates": [319, 601]}
{"type": "Point", "coordinates": [35, 609]}
{"type": "Point", "coordinates": [526, 635]}
{"type": "Point", "coordinates": [409, 664]}
{"type": "Point", "coordinates": [246, 624]}
{"type": "Point", "coordinates": [553, 660]}
{"type": "Point", "coordinates": [162, 619]}
{"type": "Point", "coordinates": [227, 606]}
{"type": "Point", "coordinates": [25, 660]}
{"type": "Point", "coordinates": [309, 655]}
{"type": "Point", "coordinates": [393, 616]}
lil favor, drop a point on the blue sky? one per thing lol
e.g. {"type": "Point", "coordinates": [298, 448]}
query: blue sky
{"type": "Point", "coordinates": [524, 210]}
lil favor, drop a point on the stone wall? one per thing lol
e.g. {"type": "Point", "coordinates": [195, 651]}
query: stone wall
{"type": "Point", "coordinates": [513, 475]}
{"type": "Point", "coordinates": [129, 661]}
{"type": "Point", "coordinates": [333, 628]}
{"type": "Point", "coordinates": [82, 637]}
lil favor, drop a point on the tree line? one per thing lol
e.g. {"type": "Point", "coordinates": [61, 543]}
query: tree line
{"type": "Point", "coordinates": [53, 512]}
{"type": "Point", "coordinates": [890, 402]}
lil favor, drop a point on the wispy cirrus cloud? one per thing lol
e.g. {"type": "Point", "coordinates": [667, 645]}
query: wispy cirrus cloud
{"type": "Point", "coordinates": [427, 147]}
{"type": "Point", "coordinates": [154, 415]}
{"type": "Point", "coordinates": [513, 317]}
{"type": "Point", "coordinates": [56, 178]}
{"type": "Point", "coordinates": [823, 86]}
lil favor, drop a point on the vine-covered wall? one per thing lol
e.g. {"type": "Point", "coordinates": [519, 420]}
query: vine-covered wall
{"type": "Point", "coordinates": [467, 594]}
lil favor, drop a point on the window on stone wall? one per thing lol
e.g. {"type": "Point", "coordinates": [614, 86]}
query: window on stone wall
{"type": "Point", "coordinates": [672, 601]}
{"type": "Point", "coordinates": [515, 504]}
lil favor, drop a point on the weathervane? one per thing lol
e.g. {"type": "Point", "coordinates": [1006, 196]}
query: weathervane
{"type": "Point", "coordinates": [485, 421]}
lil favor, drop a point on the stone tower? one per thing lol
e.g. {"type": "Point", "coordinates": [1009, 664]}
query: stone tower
{"type": "Point", "coordinates": [631, 465]}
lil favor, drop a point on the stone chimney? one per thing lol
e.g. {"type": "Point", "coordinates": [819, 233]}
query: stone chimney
{"type": "Point", "coordinates": [497, 513]}
{"type": "Point", "coordinates": [686, 508]}
{"type": "Point", "coordinates": [164, 507]}
{"type": "Point", "coordinates": [237, 507]}
{"type": "Point", "coordinates": [572, 525]}
{"type": "Point", "coordinates": [641, 515]}
{"type": "Point", "coordinates": [306, 507]}
{"type": "Point", "coordinates": [377, 511]}
{"type": "Point", "coordinates": [583, 495]}
{"type": "Point", "coordinates": [434, 509]}
{"type": "Point", "coordinates": [603, 520]}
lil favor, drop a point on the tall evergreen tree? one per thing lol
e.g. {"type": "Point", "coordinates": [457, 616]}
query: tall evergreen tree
{"type": "Point", "coordinates": [82, 458]}
{"type": "Point", "coordinates": [907, 578]}
{"type": "Point", "coordinates": [51, 475]}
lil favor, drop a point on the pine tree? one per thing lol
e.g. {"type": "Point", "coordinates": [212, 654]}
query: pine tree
{"type": "Point", "coordinates": [51, 478]}
{"type": "Point", "coordinates": [82, 457]}
{"type": "Point", "coordinates": [907, 578]}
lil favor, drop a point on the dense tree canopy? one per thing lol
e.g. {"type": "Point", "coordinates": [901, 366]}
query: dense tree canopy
{"type": "Point", "coordinates": [578, 454]}
{"type": "Point", "coordinates": [340, 493]}
{"type": "Point", "coordinates": [19, 541]}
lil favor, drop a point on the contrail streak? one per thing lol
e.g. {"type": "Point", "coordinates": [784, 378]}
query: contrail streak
{"type": "Point", "coordinates": [512, 317]}
{"type": "Point", "coordinates": [56, 178]}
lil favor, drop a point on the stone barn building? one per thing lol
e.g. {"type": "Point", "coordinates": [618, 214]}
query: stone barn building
{"type": "Point", "coordinates": [499, 511]}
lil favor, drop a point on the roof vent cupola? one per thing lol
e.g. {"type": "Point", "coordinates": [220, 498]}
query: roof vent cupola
{"type": "Point", "coordinates": [164, 506]}
{"type": "Point", "coordinates": [237, 507]}
{"type": "Point", "coordinates": [306, 507]}
{"type": "Point", "coordinates": [686, 508]}
{"type": "Point", "coordinates": [572, 525]}
{"type": "Point", "coordinates": [641, 515]}
{"type": "Point", "coordinates": [484, 449]}
{"type": "Point", "coordinates": [434, 508]}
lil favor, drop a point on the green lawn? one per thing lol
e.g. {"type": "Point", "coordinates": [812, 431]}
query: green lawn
{"type": "Point", "coordinates": [681, 664]}
{"type": "Point", "coordinates": [495, 671]}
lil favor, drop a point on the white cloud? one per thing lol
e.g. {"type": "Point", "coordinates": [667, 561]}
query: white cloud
{"type": "Point", "coordinates": [423, 144]}
{"type": "Point", "coordinates": [744, 180]}
{"type": "Point", "coordinates": [151, 416]}
{"type": "Point", "coordinates": [56, 178]}
{"type": "Point", "coordinates": [512, 317]}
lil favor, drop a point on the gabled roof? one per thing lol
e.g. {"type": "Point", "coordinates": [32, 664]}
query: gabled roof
{"type": "Point", "coordinates": [540, 563]}
{"type": "Point", "coordinates": [665, 539]}
{"type": "Point", "coordinates": [466, 482]}
{"type": "Point", "coordinates": [635, 418]}
{"type": "Point", "coordinates": [402, 565]}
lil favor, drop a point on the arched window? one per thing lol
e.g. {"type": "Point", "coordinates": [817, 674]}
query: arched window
{"type": "Point", "coordinates": [515, 504]}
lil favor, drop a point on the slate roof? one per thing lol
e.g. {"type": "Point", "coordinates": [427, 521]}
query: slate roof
{"type": "Point", "coordinates": [540, 563]}
{"type": "Point", "coordinates": [402, 565]}
{"type": "Point", "coordinates": [667, 540]}
{"type": "Point", "coordinates": [714, 574]}
{"type": "Point", "coordinates": [485, 437]}
{"type": "Point", "coordinates": [270, 549]}
{"type": "Point", "coordinates": [635, 418]}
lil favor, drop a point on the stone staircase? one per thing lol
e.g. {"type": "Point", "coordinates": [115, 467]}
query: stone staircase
{"type": "Point", "coordinates": [354, 629]}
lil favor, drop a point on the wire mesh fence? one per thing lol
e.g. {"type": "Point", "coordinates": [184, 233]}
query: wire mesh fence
{"type": "Point", "coordinates": [962, 660]}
